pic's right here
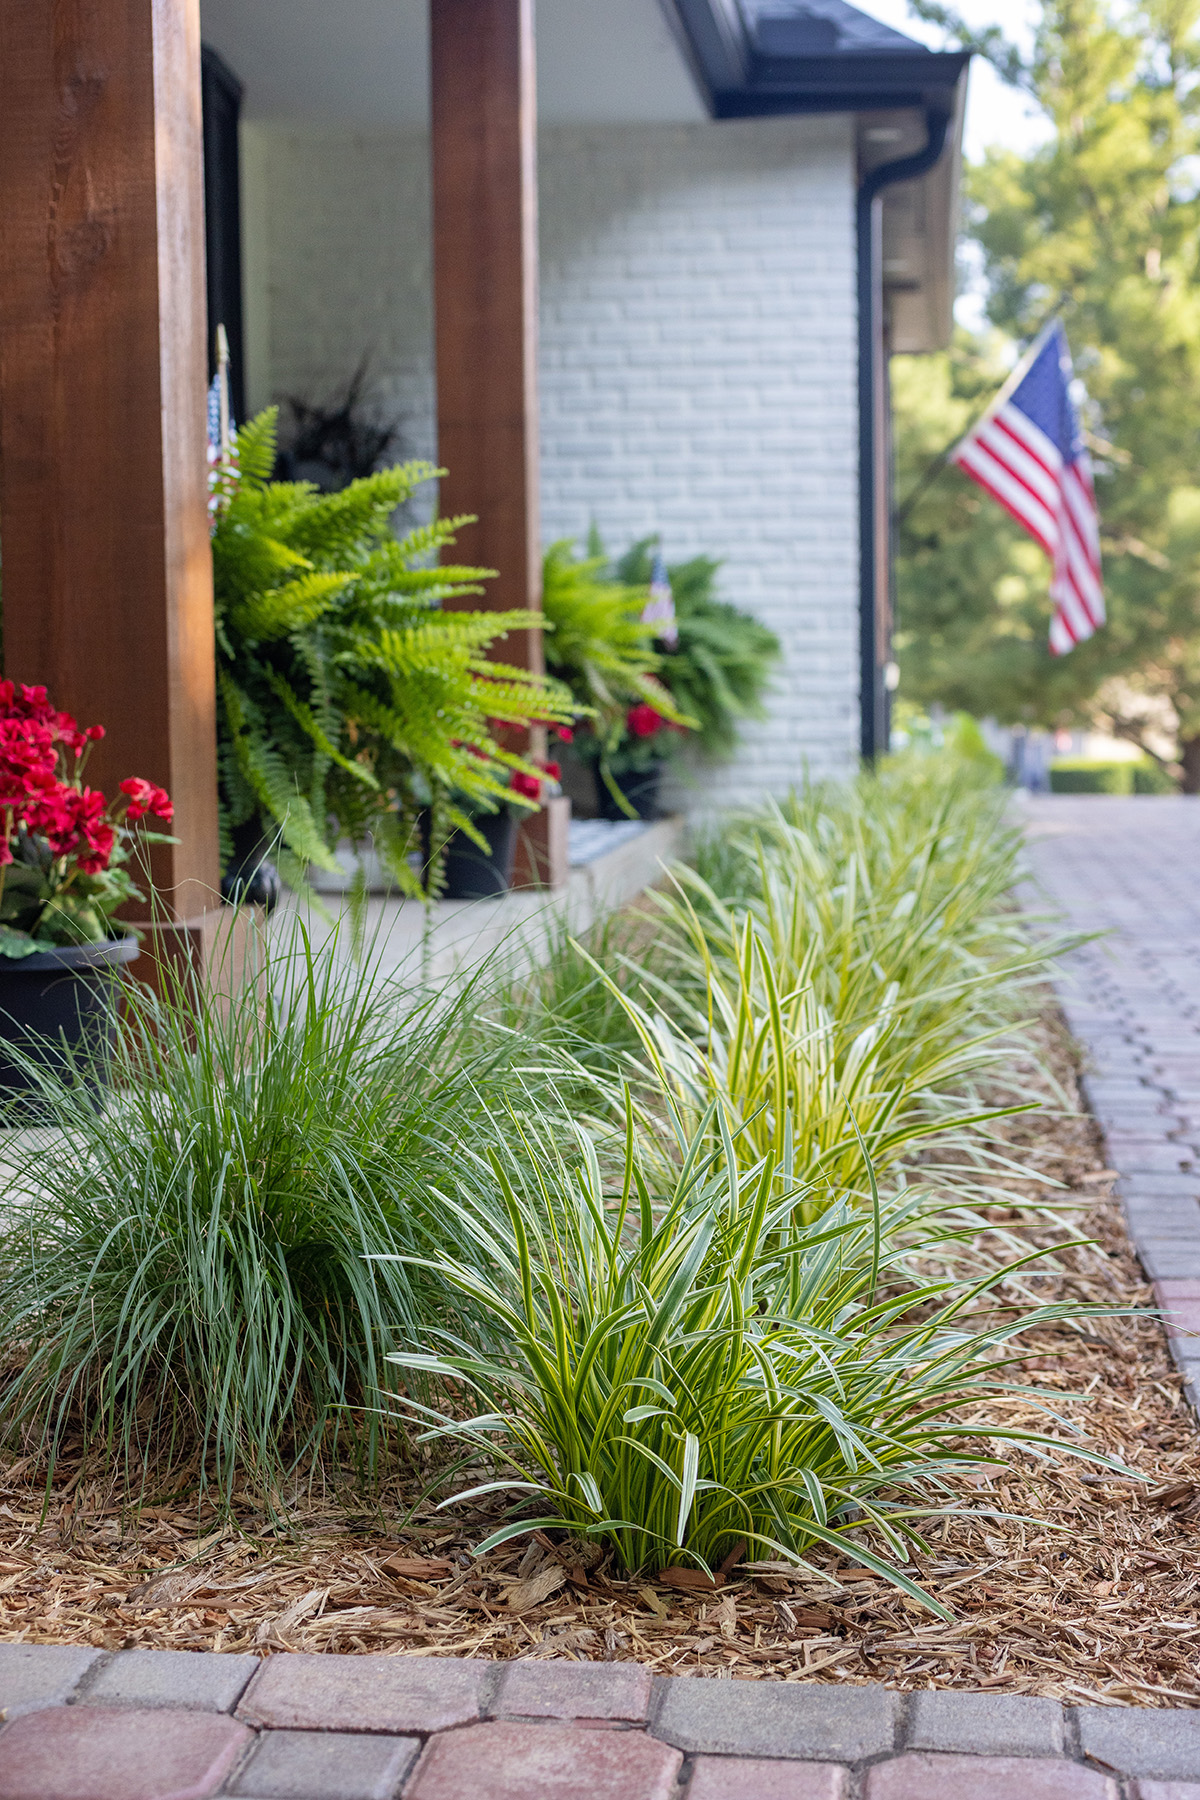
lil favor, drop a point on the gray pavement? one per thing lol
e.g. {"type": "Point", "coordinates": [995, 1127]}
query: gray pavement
{"type": "Point", "coordinates": [1131, 869]}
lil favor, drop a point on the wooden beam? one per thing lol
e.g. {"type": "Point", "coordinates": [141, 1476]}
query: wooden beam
{"type": "Point", "coordinates": [107, 586]}
{"type": "Point", "coordinates": [484, 146]}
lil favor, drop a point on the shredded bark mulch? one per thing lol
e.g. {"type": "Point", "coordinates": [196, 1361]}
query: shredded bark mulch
{"type": "Point", "coordinates": [1066, 1581]}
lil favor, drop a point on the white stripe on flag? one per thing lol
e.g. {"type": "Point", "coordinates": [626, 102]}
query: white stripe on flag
{"type": "Point", "coordinates": [1033, 438]}
{"type": "Point", "coordinates": [978, 460]}
{"type": "Point", "coordinates": [1008, 447]}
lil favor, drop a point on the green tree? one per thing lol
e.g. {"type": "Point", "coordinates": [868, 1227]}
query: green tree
{"type": "Point", "coordinates": [1103, 221]}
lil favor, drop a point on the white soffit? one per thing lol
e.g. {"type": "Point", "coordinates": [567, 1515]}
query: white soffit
{"type": "Point", "coordinates": [365, 63]}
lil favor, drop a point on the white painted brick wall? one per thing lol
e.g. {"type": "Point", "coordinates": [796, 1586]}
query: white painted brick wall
{"type": "Point", "coordinates": [698, 372]}
{"type": "Point", "coordinates": [697, 369]}
{"type": "Point", "coordinates": [338, 233]}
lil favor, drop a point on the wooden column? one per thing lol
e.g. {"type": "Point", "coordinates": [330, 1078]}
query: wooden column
{"type": "Point", "coordinates": [484, 146]}
{"type": "Point", "coordinates": [107, 577]}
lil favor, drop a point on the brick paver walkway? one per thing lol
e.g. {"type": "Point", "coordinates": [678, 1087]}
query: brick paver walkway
{"type": "Point", "coordinates": [1131, 868]}
{"type": "Point", "coordinates": [179, 1725]}
{"type": "Point", "coordinates": [80, 1724]}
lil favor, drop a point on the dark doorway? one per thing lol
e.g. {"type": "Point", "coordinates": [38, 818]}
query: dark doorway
{"type": "Point", "coordinates": [221, 94]}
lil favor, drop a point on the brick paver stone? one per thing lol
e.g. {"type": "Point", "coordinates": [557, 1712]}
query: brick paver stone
{"type": "Point", "coordinates": [1157, 1741]}
{"type": "Point", "coordinates": [187, 1679]}
{"type": "Point", "coordinates": [750, 1778]}
{"type": "Point", "coordinates": [506, 1761]}
{"type": "Point", "coordinates": [366, 1693]}
{"type": "Point", "coordinates": [325, 1765]}
{"type": "Point", "coordinates": [920, 1775]}
{"type": "Point", "coordinates": [985, 1724]}
{"type": "Point", "coordinates": [770, 1718]}
{"type": "Point", "coordinates": [33, 1675]}
{"type": "Point", "coordinates": [103, 1753]}
{"type": "Point", "coordinates": [570, 1690]}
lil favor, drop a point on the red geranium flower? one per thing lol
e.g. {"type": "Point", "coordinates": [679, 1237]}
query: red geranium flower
{"type": "Point", "coordinates": [43, 799]}
{"type": "Point", "coordinates": [643, 721]}
{"type": "Point", "coordinates": [145, 797]}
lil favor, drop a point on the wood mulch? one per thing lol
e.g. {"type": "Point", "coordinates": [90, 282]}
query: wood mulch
{"type": "Point", "coordinates": [1099, 1601]}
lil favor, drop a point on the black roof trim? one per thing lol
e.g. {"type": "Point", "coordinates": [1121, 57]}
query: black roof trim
{"type": "Point", "coordinates": [742, 83]}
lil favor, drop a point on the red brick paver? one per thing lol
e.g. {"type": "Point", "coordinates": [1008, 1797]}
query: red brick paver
{"type": "Point", "coordinates": [129, 1726]}
{"type": "Point", "coordinates": [569, 1690]}
{"type": "Point", "coordinates": [365, 1693]}
{"type": "Point", "coordinates": [506, 1761]}
{"type": "Point", "coordinates": [752, 1778]}
{"type": "Point", "coordinates": [931, 1777]}
{"type": "Point", "coordinates": [94, 1753]}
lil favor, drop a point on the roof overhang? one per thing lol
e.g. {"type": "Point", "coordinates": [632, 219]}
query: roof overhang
{"type": "Point", "coordinates": [756, 59]}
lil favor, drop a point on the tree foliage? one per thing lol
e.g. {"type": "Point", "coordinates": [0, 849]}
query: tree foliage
{"type": "Point", "coordinates": [1102, 221]}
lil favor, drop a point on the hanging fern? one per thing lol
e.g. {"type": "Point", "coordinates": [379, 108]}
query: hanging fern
{"type": "Point", "coordinates": [348, 700]}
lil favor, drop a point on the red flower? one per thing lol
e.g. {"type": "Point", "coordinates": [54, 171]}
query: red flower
{"type": "Point", "coordinates": [145, 797]}
{"type": "Point", "coordinates": [643, 721]}
{"type": "Point", "coordinates": [553, 770]}
{"type": "Point", "coordinates": [41, 792]}
{"type": "Point", "coordinates": [566, 735]}
{"type": "Point", "coordinates": [528, 785]}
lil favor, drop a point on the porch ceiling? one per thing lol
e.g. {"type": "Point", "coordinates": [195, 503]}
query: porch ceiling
{"type": "Point", "coordinates": [365, 63]}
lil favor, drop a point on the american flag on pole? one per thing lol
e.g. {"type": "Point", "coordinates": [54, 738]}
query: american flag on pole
{"type": "Point", "coordinates": [222, 436]}
{"type": "Point", "coordinates": [1028, 453]}
{"type": "Point", "coordinates": [659, 609]}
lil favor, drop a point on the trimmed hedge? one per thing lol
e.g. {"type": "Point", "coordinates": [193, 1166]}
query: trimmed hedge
{"type": "Point", "coordinates": [1084, 775]}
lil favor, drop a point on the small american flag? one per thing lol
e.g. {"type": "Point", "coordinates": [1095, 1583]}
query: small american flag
{"type": "Point", "coordinates": [1028, 453]}
{"type": "Point", "coordinates": [222, 435]}
{"type": "Point", "coordinates": [659, 609]}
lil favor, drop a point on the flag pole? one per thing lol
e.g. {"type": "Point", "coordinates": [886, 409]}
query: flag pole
{"type": "Point", "coordinates": [223, 388]}
{"type": "Point", "coordinates": [1008, 386]}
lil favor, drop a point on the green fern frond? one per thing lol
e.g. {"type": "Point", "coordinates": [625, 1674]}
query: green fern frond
{"type": "Point", "coordinates": [256, 443]}
{"type": "Point", "coordinates": [348, 696]}
{"type": "Point", "coordinates": [307, 722]}
{"type": "Point", "coordinates": [282, 611]}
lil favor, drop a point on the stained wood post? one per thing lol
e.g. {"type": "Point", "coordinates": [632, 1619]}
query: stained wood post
{"type": "Point", "coordinates": [107, 575]}
{"type": "Point", "coordinates": [484, 147]}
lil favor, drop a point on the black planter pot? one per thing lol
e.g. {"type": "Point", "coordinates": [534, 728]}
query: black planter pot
{"type": "Point", "coordinates": [472, 875]}
{"type": "Point", "coordinates": [53, 1003]}
{"type": "Point", "coordinates": [640, 788]}
{"type": "Point", "coordinates": [250, 878]}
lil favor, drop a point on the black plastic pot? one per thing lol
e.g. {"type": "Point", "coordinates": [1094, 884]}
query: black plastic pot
{"type": "Point", "coordinates": [472, 875]}
{"type": "Point", "coordinates": [250, 877]}
{"type": "Point", "coordinates": [53, 1003]}
{"type": "Point", "coordinates": [640, 788]}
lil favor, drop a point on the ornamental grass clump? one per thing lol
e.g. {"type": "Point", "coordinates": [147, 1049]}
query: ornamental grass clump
{"type": "Point", "coordinates": [186, 1278]}
{"type": "Point", "coordinates": [695, 1369]}
{"type": "Point", "coordinates": [856, 977]}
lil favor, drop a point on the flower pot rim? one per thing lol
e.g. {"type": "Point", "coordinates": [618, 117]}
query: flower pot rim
{"type": "Point", "coordinates": [110, 953]}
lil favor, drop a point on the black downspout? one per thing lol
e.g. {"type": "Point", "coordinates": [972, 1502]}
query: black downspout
{"type": "Point", "coordinates": [873, 699]}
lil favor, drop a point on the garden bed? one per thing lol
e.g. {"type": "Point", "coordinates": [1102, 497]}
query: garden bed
{"type": "Point", "coordinates": [1098, 1602]}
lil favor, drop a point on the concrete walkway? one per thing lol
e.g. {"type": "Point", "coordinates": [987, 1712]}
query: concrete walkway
{"type": "Point", "coordinates": [179, 1725]}
{"type": "Point", "coordinates": [1131, 869]}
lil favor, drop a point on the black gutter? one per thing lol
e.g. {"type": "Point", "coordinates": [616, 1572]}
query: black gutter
{"type": "Point", "coordinates": [858, 80]}
{"type": "Point", "coordinates": [873, 697]}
